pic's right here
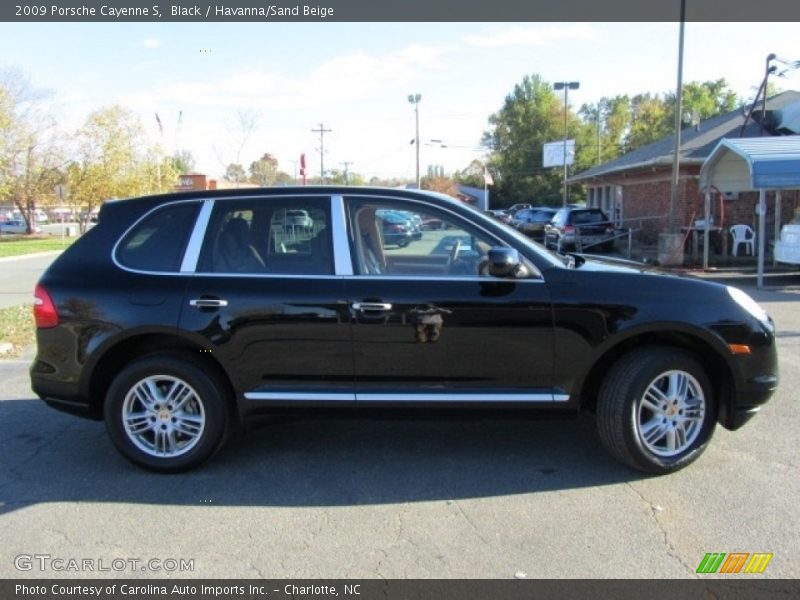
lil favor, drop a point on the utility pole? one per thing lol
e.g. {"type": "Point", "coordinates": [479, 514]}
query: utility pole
{"type": "Point", "coordinates": [764, 97]}
{"type": "Point", "coordinates": [673, 199]}
{"type": "Point", "coordinates": [566, 86]}
{"type": "Point", "coordinates": [347, 164]}
{"type": "Point", "coordinates": [598, 133]}
{"type": "Point", "coordinates": [321, 131]}
{"type": "Point", "coordinates": [415, 99]}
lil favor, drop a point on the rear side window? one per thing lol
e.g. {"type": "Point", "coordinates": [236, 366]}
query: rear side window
{"type": "Point", "coordinates": [157, 242]}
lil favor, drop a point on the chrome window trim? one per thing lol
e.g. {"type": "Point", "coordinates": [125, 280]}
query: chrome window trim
{"type": "Point", "coordinates": [192, 254]}
{"type": "Point", "coordinates": [415, 397]}
{"type": "Point", "coordinates": [342, 261]}
{"type": "Point", "coordinates": [135, 224]}
{"type": "Point", "coordinates": [356, 195]}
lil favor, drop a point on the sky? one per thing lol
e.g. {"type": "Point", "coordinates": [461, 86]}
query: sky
{"type": "Point", "coordinates": [355, 78]}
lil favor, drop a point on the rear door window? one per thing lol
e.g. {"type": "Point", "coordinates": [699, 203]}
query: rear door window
{"type": "Point", "coordinates": [288, 236]}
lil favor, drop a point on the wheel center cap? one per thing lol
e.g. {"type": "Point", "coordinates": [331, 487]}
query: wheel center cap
{"type": "Point", "coordinates": [164, 415]}
{"type": "Point", "coordinates": [671, 411]}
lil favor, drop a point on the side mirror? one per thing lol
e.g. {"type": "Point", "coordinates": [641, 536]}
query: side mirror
{"type": "Point", "coordinates": [504, 262]}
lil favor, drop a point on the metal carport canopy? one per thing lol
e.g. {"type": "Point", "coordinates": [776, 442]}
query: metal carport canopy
{"type": "Point", "coordinates": [748, 164]}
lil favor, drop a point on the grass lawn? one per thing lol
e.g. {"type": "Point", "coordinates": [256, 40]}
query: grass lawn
{"type": "Point", "coordinates": [17, 245]}
{"type": "Point", "coordinates": [17, 328]}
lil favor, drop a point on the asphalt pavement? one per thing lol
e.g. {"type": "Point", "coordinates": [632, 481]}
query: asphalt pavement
{"type": "Point", "coordinates": [400, 499]}
{"type": "Point", "coordinates": [18, 277]}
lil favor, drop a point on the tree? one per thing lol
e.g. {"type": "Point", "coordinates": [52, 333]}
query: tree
{"type": "Point", "coordinates": [111, 162]}
{"type": "Point", "coordinates": [30, 157]}
{"type": "Point", "coordinates": [628, 123]}
{"type": "Point", "coordinates": [264, 171]}
{"type": "Point", "coordinates": [701, 101]}
{"type": "Point", "coordinates": [235, 173]}
{"type": "Point", "coordinates": [472, 175]}
{"type": "Point", "coordinates": [443, 185]}
{"type": "Point", "coordinates": [651, 120]}
{"type": "Point", "coordinates": [610, 120]}
{"type": "Point", "coordinates": [240, 134]}
{"type": "Point", "coordinates": [531, 116]}
{"type": "Point", "coordinates": [343, 177]}
{"type": "Point", "coordinates": [183, 161]}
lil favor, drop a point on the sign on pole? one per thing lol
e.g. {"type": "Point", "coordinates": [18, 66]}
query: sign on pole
{"type": "Point", "coordinates": [553, 153]}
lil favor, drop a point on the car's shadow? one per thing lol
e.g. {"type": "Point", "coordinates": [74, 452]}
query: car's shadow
{"type": "Point", "coordinates": [46, 456]}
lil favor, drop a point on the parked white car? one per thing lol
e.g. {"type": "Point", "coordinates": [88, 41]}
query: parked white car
{"type": "Point", "coordinates": [299, 218]}
{"type": "Point", "coordinates": [17, 226]}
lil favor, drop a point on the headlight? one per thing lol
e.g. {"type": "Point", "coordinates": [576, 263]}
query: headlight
{"type": "Point", "coordinates": [750, 305]}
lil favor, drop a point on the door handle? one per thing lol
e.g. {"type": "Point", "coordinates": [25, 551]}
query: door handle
{"type": "Point", "coordinates": [208, 303]}
{"type": "Point", "coordinates": [369, 306]}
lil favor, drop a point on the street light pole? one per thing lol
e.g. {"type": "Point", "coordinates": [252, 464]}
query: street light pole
{"type": "Point", "coordinates": [566, 86]}
{"type": "Point", "coordinates": [414, 99]}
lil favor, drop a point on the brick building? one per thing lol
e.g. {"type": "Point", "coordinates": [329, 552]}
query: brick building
{"type": "Point", "coordinates": [634, 189]}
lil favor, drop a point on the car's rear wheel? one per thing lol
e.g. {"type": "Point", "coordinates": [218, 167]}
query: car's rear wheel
{"type": "Point", "coordinates": [166, 414]}
{"type": "Point", "coordinates": [655, 410]}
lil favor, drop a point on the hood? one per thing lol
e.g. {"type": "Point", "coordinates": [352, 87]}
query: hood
{"type": "Point", "coordinates": [592, 262]}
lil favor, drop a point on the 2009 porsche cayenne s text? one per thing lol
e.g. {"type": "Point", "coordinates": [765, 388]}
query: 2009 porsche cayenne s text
{"type": "Point", "coordinates": [179, 316]}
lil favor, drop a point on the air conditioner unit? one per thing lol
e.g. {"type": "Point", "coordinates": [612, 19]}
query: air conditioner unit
{"type": "Point", "coordinates": [731, 195]}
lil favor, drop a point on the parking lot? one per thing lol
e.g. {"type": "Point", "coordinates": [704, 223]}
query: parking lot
{"type": "Point", "coordinates": [399, 499]}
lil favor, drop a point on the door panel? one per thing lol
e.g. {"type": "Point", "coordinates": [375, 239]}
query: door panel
{"type": "Point", "coordinates": [428, 320]}
{"type": "Point", "coordinates": [453, 336]}
{"type": "Point", "coordinates": [276, 333]}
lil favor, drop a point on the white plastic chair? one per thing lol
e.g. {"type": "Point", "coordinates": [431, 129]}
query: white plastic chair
{"type": "Point", "coordinates": [743, 234]}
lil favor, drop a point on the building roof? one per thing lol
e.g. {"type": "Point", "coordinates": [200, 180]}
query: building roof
{"type": "Point", "coordinates": [697, 143]}
{"type": "Point", "coordinates": [754, 163]}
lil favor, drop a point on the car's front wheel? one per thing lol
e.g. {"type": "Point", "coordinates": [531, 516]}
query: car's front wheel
{"type": "Point", "coordinates": [655, 410]}
{"type": "Point", "coordinates": [166, 414]}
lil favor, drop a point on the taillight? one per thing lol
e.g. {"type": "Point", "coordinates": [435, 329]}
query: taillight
{"type": "Point", "coordinates": [44, 311]}
{"type": "Point", "coordinates": [609, 228]}
{"type": "Point", "coordinates": [396, 227]}
{"type": "Point", "coordinates": [569, 229]}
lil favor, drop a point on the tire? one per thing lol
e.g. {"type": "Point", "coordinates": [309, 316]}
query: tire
{"type": "Point", "coordinates": [655, 410]}
{"type": "Point", "coordinates": [166, 437]}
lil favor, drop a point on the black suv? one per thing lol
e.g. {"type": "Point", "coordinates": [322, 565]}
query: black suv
{"type": "Point", "coordinates": [532, 221]}
{"type": "Point", "coordinates": [180, 316]}
{"type": "Point", "coordinates": [579, 229]}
